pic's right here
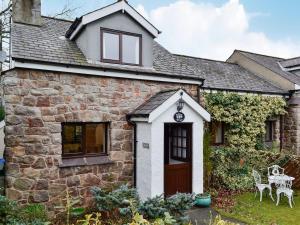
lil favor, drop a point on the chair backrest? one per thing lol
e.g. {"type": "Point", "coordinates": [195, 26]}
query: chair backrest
{"type": "Point", "coordinates": [275, 170]}
{"type": "Point", "coordinates": [256, 176]}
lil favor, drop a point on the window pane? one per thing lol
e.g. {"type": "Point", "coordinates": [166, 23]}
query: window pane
{"type": "Point", "coordinates": [184, 142]}
{"type": "Point", "coordinates": [219, 133]}
{"type": "Point", "coordinates": [269, 131]}
{"type": "Point", "coordinates": [175, 151]}
{"type": "Point", "coordinates": [130, 49]}
{"type": "Point", "coordinates": [95, 138]}
{"type": "Point", "coordinates": [184, 132]}
{"type": "Point", "coordinates": [111, 46]}
{"type": "Point", "coordinates": [184, 153]}
{"type": "Point", "coordinates": [72, 139]}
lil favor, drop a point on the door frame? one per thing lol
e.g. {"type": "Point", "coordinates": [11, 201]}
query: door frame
{"type": "Point", "coordinates": [167, 152]}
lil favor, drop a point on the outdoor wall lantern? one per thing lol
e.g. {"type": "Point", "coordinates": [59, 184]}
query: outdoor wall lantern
{"type": "Point", "coordinates": [179, 116]}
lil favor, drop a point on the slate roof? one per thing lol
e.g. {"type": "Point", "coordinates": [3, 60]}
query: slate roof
{"type": "Point", "coordinates": [48, 44]}
{"type": "Point", "coordinates": [273, 64]}
{"type": "Point", "coordinates": [289, 63]}
{"type": "Point", "coordinates": [151, 104]}
{"type": "Point", "coordinates": [217, 74]}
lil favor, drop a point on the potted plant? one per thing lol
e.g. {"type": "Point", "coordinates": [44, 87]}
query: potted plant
{"type": "Point", "coordinates": [203, 200]}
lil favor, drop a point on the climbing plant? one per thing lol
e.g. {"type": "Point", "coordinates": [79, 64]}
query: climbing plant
{"type": "Point", "coordinates": [245, 115]}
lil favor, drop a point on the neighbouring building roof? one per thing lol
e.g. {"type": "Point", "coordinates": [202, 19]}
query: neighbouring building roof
{"type": "Point", "coordinates": [274, 64]}
{"type": "Point", "coordinates": [47, 44]}
{"type": "Point", "coordinates": [290, 63]}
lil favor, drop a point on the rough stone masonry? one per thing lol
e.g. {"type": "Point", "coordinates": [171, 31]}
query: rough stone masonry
{"type": "Point", "coordinates": [37, 102]}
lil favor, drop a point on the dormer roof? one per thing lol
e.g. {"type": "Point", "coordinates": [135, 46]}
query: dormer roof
{"type": "Point", "coordinates": [119, 6]}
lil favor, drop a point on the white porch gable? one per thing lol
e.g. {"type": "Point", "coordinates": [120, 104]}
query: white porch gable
{"type": "Point", "coordinates": [151, 119]}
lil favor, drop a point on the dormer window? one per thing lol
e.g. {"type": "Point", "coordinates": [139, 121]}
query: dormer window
{"type": "Point", "coordinates": [120, 47]}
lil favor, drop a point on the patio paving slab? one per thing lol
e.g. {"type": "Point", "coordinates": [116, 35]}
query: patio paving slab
{"type": "Point", "coordinates": [202, 216]}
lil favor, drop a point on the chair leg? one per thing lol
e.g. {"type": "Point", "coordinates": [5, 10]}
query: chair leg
{"type": "Point", "coordinates": [290, 201]}
{"type": "Point", "coordinates": [293, 199]}
{"type": "Point", "coordinates": [261, 194]}
{"type": "Point", "coordinates": [271, 194]}
{"type": "Point", "coordinates": [255, 193]}
{"type": "Point", "coordinates": [278, 199]}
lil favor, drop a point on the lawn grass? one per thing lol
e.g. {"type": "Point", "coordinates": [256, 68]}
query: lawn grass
{"type": "Point", "coordinates": [251, 211]}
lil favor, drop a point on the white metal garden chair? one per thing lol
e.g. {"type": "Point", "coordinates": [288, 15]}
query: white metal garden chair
{"type": "Point", "coordinates": [285, 187]}
{"type": "Point", "coordinates": [261, 187]}
{"type": "Point", "coordinates": [275, 170]}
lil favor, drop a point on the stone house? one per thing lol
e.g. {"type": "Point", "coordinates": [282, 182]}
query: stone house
{"type": "Point", "coordinates": [98, 102]}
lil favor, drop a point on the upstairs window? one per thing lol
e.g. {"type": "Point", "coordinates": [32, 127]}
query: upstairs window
{"type": "Point", "coordinates": [84, 139]}
{"type": "Point", "coordinates": [120, 47]}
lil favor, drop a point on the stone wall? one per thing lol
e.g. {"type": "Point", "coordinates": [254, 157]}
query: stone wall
{"type": "Point", "coordinates": [291, 136]}
{"type": "Point", "coordinates": [37, 102]}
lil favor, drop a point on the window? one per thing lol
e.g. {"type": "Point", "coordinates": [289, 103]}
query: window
{"type": "Point", "coordinates": [217, 133]}
{"type": "Point", "coordinates": [120, 47]}
{"type": "Point", "coordinates": [269, 136]}
{"type": "Point", "coordinates": [84, 139]}
{"type": "Point", "coordinates": [179, 142]}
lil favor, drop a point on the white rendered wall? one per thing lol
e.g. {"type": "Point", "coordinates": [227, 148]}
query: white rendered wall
{"type": "Point", "coordinates": [143, 160]}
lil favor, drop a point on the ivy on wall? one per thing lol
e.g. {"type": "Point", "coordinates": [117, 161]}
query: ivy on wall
{"type": "Point", "coordinates": [245, 115]}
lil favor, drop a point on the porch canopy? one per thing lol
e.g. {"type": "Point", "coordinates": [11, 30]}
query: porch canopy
{"type": "Point", "coordinates": [169, 144]}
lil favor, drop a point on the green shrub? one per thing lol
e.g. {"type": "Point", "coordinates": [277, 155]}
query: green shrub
{"type": "Point", "coordinates": [245, 115]}
{"type": "Point", "coordinates": [125, 199]}
{"type": "Point", "coordinates": [207, 150]}
{"type": "Point", "coordinates": [32, 212]}
{"type": "Point", "coordinates": [2, 113]}
{"type": "Point", "coordinates": [175, 205]}
{"type": "Point", "coordinates": [153, 207]}
{"type": "Point", "coordinates": [13, 214]}
{"type": "Point", "coordinates": [8, 209]}
{"type": "Point", "coordinates": [232, 168]}
{"type": "Point", "coordinates": [178, 204]}
{"type": "Point", "coordinates": [109, 200]}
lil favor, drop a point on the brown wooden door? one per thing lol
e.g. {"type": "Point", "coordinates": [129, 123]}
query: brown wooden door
{"type": "Point", "coordinates": [178, 158]}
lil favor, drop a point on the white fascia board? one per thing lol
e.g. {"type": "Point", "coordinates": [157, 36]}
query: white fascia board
{"type": "Point", "coordinates": [120, 6]}
{"type": "Point", "coordinates": [173, 99]}
{"type": "Point", "coordinates": [139, 119]}
{"type": "Point", "coordinates": [297, 87]}
{"type": "Point", "coordinates": [76, 31]}
{"type": "Point", "coordinates": [99, 72]}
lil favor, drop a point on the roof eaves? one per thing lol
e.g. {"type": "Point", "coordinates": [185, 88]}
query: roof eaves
{"type": "Point", "coordinates": [95, 66]}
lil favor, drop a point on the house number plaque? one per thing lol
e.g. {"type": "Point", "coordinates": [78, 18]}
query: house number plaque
{"type": "Point", "coordinates": [179, 117]}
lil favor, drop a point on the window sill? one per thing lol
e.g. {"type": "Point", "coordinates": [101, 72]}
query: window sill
{"type": "Point", "coordinates": [85, 161]}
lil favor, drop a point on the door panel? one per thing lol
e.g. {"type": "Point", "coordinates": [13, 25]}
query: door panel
{"type": "Point", "coordinates": [178, 154]}
{"type": "Point", "coordinates": [177, 178]}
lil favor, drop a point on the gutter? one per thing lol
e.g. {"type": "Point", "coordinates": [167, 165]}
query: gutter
{"type": "Point", "coordinates": [134, 148]}
{"type": "Point", "coordinates": [286, 94]}
{"type": "Point", "coordinates": [94, 69]}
